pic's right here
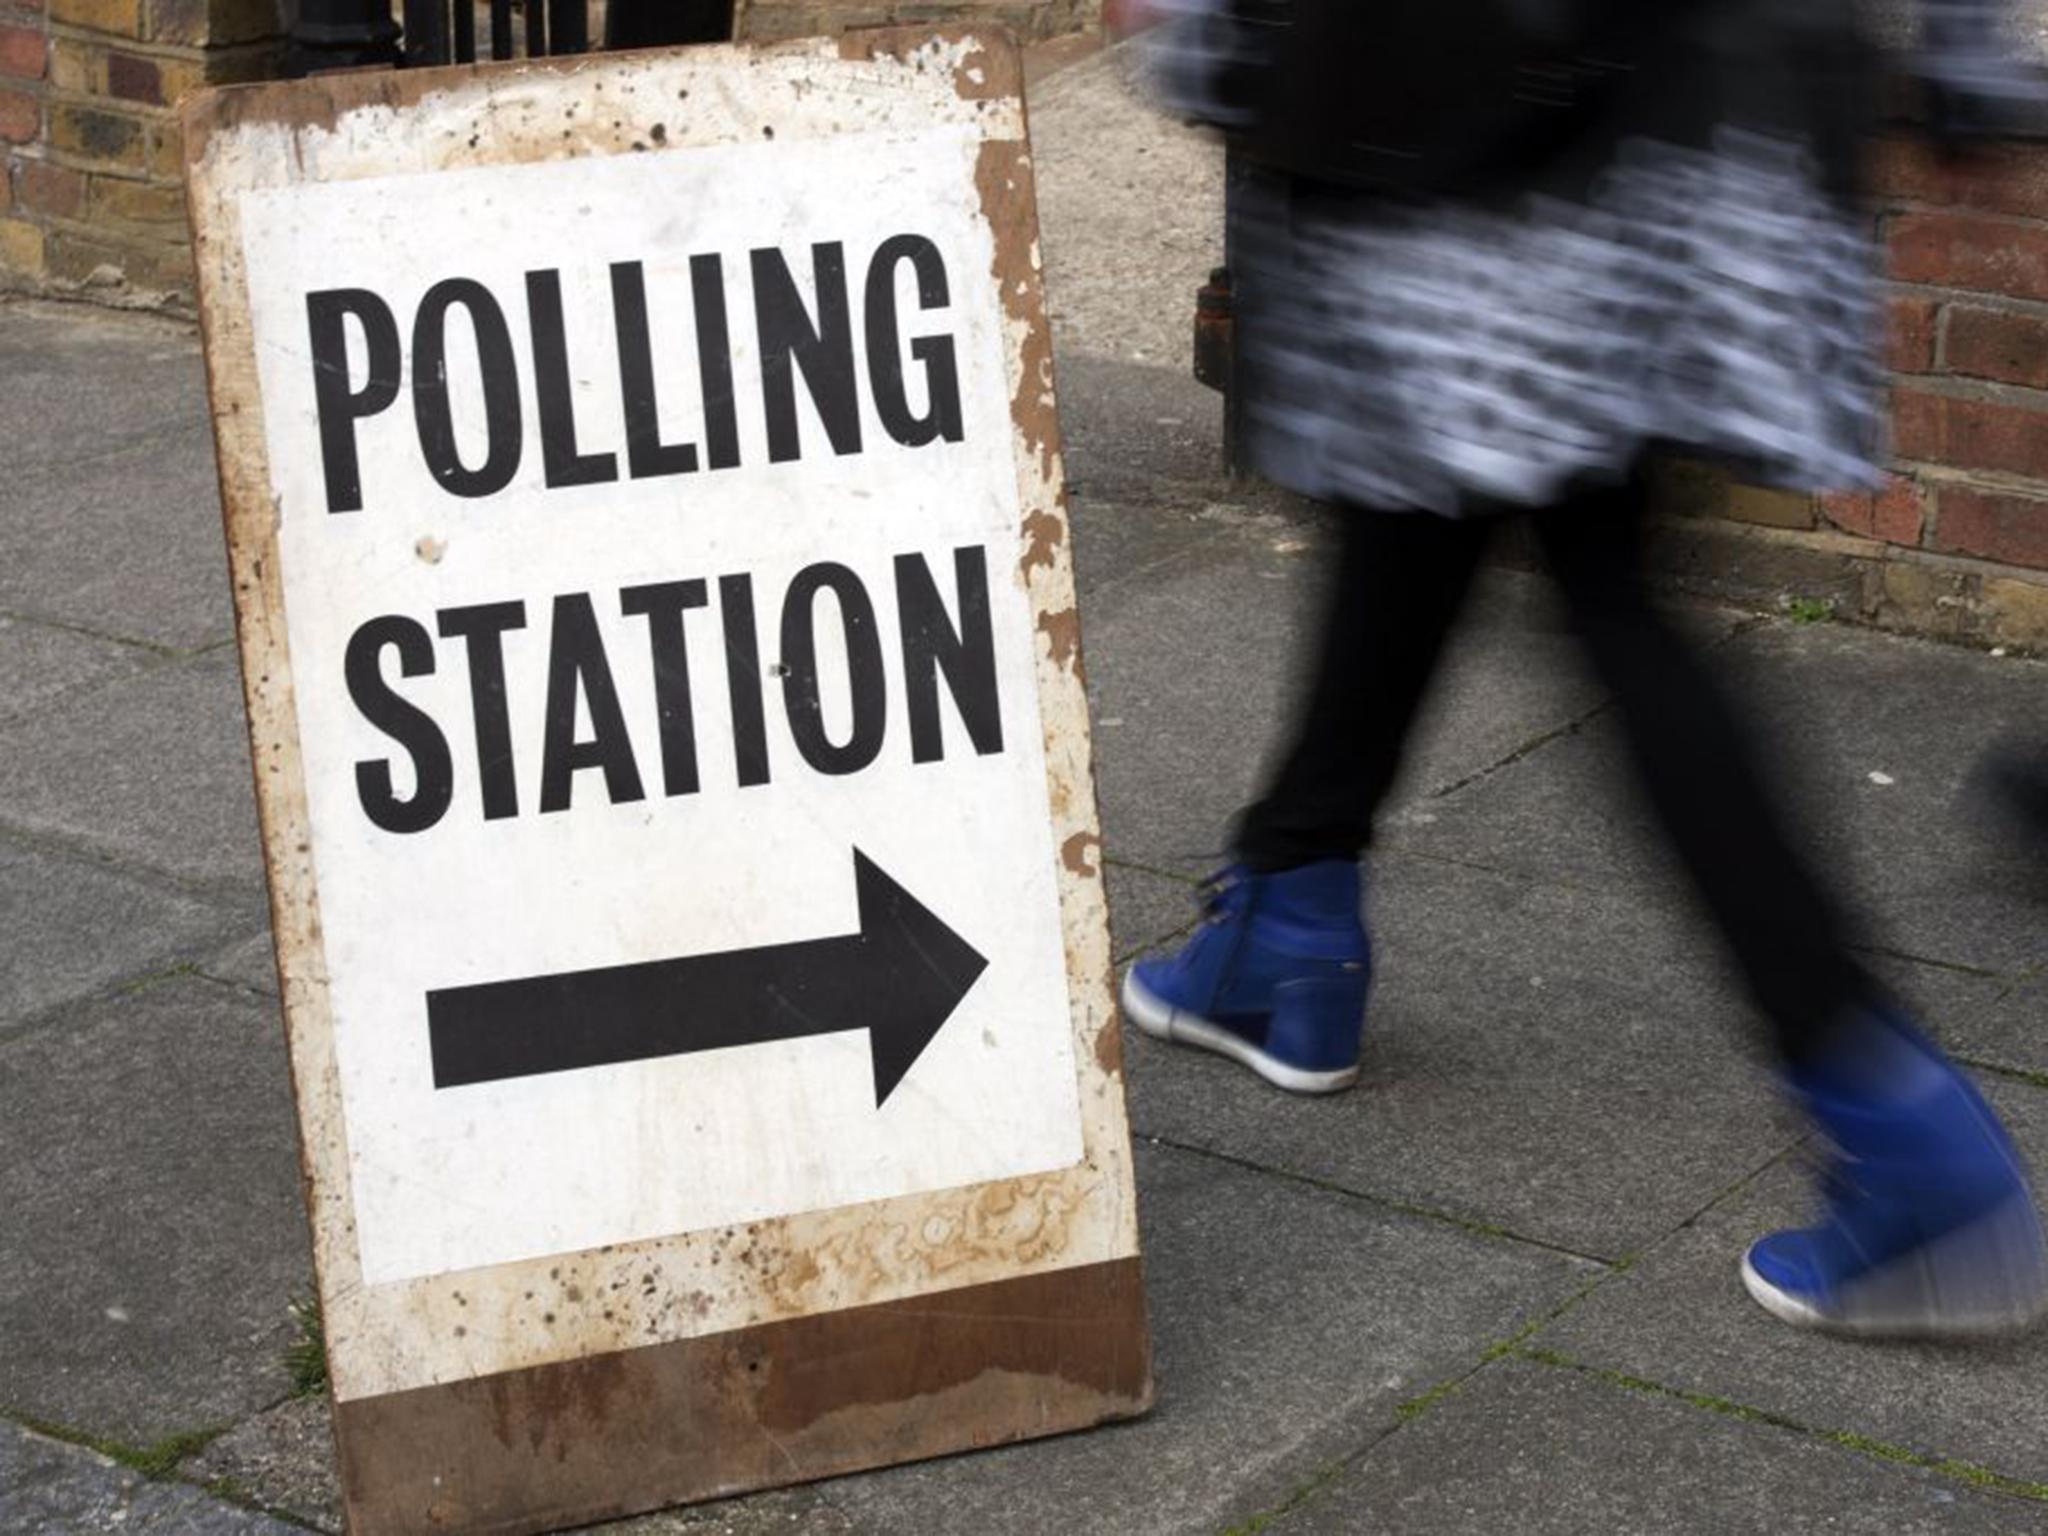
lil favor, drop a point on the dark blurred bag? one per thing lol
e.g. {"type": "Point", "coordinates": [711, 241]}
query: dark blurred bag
{"type": "Point", "coordinates": [1429, 95]}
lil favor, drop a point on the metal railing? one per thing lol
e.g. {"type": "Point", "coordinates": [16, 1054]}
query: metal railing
{"type": "Point", "coordinates": [353, 34]}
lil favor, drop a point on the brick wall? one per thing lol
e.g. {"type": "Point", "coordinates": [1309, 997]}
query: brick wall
{"type": "Point", "coordinates": [93, 198]}
{"type": "Point", "coordinates": [1966, 342]}
{"type": "Point", "coordinates": [1968, 337]}
{"type": "Point", "coordinates": [1030, 19]}
{"type": "Point", "coordinates": [1956, 541]}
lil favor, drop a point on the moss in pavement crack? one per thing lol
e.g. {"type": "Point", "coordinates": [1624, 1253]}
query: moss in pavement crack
{"type": "Point", "coordinates": [1943, 1466]}
{"type": "Point", "coordinates": [155, 1461]}
{"type": "Point", "coordinates": [1293, 1501]}
{"type": "Point", "coordinates": [157, 978]}
{"type": "Point", "coordinates": [2025, 1075]}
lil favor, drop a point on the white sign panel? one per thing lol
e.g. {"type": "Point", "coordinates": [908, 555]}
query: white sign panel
{"type": "Point", "coordinates": [647, 531]}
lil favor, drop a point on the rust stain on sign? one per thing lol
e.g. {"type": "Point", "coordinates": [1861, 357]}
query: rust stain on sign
{"type": "Point", "coordinates": [1082, 853]}
{"type": "Point", "coordinates": [1003, 176]}
{"type": "Point", "coordinates": [1044, 532]}
{"type": "Point", "coordinates": [1062, 632]}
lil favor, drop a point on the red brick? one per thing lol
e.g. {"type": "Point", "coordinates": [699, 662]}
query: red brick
{"type": "Point", "coordinates": [1970, 434]}
{"type": "Point", "coordinates": [1893, 514]}
{"type": "Point", "coordinates": [2005, 178]}
{"type": "Point", "coordinates": [1991, 344]}
{"type": "Point", "coordinates": [1963, 251]}
{"type": "Point", "coordinates": [1909, 334]}
{"type": "Point", "coordinates": [20, 116]}
{"type": "Point", "coordinates": [2012, 529]}
{"type": "Point", "coordinates": [52, 189]}
{"type": "Point", "coordinates": [22, 52]}
{"type": "Point", "coordinates": [134, 79]}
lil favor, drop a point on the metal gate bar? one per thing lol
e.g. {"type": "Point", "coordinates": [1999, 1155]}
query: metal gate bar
{"type": "Point", "coordinates": [345, 34]}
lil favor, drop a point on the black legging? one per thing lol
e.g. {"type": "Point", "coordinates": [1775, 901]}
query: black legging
{"type": "Point", "coordinates": [1402, 579]}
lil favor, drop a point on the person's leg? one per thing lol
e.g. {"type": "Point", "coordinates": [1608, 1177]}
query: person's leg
{"type": "Point", "coordinates": [1277, 976]}
{"type": "Point", "coordinates": [1401, 579]}
{"type": "Point", "coordinates": [1930, 1226]}
{"type": "Point", "coordinates": [1704, 776]}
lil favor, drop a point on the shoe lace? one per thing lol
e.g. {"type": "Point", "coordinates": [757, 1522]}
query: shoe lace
{"type": "Point", "coordinates": [1212, 891]}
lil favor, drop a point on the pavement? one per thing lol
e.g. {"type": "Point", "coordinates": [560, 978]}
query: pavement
{"type": "Point", "coordinates": [1493, 1288]}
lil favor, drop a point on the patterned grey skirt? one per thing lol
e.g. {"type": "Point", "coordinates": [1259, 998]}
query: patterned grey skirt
{"type": "Point", "coordinates": [1696, 272]}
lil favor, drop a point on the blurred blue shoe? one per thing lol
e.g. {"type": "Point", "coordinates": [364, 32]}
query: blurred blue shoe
{"type": "Point", "coordinates": [1930, 1228]}
{"type": "Point", "coordinates": [1275, 978]}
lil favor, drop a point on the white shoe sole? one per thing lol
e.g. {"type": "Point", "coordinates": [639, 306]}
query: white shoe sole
{"type": "Point", "coordinates": [1162, 1021]}
{"type": "Point", "coordinates": [1982, 1281]}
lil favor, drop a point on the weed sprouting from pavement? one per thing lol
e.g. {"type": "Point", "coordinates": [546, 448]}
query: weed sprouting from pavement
{"type": "Point", "coordinates": [305, 1358]}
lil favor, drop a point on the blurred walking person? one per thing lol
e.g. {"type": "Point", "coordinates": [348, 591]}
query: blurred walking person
{"type": "Point", "coordinates": [1502, 250]}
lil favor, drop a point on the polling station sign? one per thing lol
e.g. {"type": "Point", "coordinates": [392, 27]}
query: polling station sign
{"type": "Point", "coordinates": [643, 496]}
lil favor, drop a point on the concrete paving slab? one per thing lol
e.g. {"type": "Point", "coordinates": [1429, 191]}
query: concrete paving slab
{"type": "Point", "coordinates": [249, 962]}
{"type": "Point", "coordinates": [126, 546]}
{"type": "Point", "coordinates": [1564, 1064]}
{"type": "Point", "coordinates": [153, 770]}
{"type": "Point", "coordinates": [785, 1512]}
{"type": "Point", "coordinates": [1681, 1318]}
{"type": "Point", "coordinates": [149, 1171]}
{"type": "Point", "coordinates": [91, 379]}
{"type": "Point", "coordinates": [49, 1488]}
{"type": "Point", "coordinates": [109, 515]}
{"type": "Point", "coordinates": [1872, 738]}
{"type": "Point", "coordinates": [74, 926]}
{"type": "Point", "coordinates": [1982, 1018]}
{"type": "Point", "coordinates": [1118, 542]}
{"type": "Point", "coordinates": [2011, 1031]}
{"type": "Point", "coordinates": [1189, 659]}
{"type": "Point", "coordinates": [1289, 1322]}
{"type": "Point", "coordinates": [1146, 909]}
{"type": "Point", "coordinates": [1198, 659]}
{"type": "Point", "coordinates": [281, 1458]}
{"type": "Point", "coordinates": [1534, 1449]}
{"type": "Point", "coordinates": [39, 663]}
{"type": "Point", "coordinates": [1243, 1270]}
{"type": "Point", "coordinates": [1133, 431]}
{"type": "Point", "coordinates": [1131, 212]}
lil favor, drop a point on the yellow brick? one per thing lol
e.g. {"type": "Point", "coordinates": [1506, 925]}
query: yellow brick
{"type": "Point", "coordinates": [1690, 488]}
{"type": "Point", "coordinates": [147, 203]}
{"type": "Point", "coordinates": [166, 152]}
{"type": "Point", "coordinates": [2018, 611]}
{"type": "Point", "coordinates": [1768, 508]}
{"type": "Point", "coordinates": [78, 66]}
{"type": "Point", "coordinates": [211, 22]}
{"type": "Point", "coordinates": [181, 77]}
{"type": "Point", "coordinates": [121, 17]}
{"type": "Point", "coordinates": [21, 248]}
{"type": "Point", "coordinates": [78, 256]}
{"type": "Point", "coordinates": [110, 138]}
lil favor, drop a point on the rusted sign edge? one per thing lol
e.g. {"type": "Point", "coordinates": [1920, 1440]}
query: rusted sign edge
{"type": "Point", "coordinates": [753, 1408]}
{"type": "Point", "coordinates": [363, 1330]}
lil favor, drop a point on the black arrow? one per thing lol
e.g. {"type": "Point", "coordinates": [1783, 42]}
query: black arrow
{"type": "Point", "coordinates": [899, 978]}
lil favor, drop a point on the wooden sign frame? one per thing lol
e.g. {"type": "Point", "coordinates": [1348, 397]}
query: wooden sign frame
{"type": "Point", "coordinates": [588, 1385]}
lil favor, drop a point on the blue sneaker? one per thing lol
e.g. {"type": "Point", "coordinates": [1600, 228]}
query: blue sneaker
{"type": "Point", "coordinates": [1930, 1228]}
{"type": "Point", "coordinates": [1275, 979]}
